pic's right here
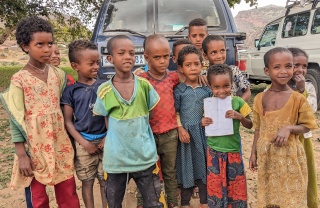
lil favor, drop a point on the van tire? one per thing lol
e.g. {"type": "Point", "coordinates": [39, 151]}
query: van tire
{"type": "Point", "coordinates": [313, 76]}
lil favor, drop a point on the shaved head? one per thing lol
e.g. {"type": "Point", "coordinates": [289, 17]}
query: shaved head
{"type": "Point", "coordinates": [154, 38]}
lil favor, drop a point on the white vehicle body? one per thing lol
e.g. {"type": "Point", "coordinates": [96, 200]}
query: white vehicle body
{"type": "Point", "coordinates": [299, 28]}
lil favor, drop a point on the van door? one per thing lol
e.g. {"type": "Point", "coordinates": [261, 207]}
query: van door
{"type": "Point", "coordinates": [266, 42]}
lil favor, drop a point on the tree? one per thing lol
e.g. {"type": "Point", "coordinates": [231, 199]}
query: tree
{"type": "Point", "coordinates": [65, 16]}
{"type": "Point", "coordinates": [233, 2]}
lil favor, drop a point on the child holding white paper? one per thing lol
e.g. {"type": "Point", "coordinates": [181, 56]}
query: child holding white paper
{"type": "Point", "coordinates": [226, 182]}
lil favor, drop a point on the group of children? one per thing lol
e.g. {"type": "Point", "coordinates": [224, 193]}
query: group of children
{"type": "Point", "coordinates": [124, 125]}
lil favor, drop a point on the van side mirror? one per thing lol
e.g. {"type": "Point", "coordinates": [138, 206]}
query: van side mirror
{"type": "Point", "coordinates": [256, 42]}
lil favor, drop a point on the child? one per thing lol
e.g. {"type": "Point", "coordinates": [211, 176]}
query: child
{"type": "Point", "coordinates": [55, 61]}
{"type": "Point", "coordinates": [298, 83]}
{"type": "Point", "coordinates": [87, 130]}
{"type": "Point", "coordinates": [44, 154]}
{"type": "Point", "coordinates": [129, 151]}
{"type": "Point", "coordinates": [280, 115]}
{"type": "Point", "coordinates": [223, 152]}
{"type": "Point", "coordinates": [214, 50]}
{"type": "Point", "coordinates": [191, 159]}
{"type": "Point", "coordinates": [198, 31]}
{"type": "Point", "coordinates": [163, 121]}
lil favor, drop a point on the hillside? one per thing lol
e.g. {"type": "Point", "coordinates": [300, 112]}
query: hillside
{"type": "Point", "coordinates": [253, 21]}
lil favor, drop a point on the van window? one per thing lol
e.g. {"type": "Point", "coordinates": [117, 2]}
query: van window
{"type": "Point", "coordinates": [268, 38]}
{"type": "Point", "coordinates": [296, 25]}
{"type": "Point", "coordinates": [175, 14]}
{"type": "Point", "coordinates": [160, 15]}
{"type": "Point", "coordinates": [316, 23]}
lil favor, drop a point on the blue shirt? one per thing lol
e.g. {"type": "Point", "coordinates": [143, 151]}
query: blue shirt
{"type": "Point", "coordinates": [81, 98]}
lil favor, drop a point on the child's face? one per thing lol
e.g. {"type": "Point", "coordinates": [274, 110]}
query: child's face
{"type": "Point", "coordinates": [158, 56]}
{"type": "Point", "coordinates": [197, 34]}
{"type": "Point", "coordinates": [216, 52]}
{"type": "Point", "coordinates": [55, 56]}
{"type": "Point", "coordinates": [221, 85]}
{"type": "Point", "coordinates": [280, 68]}
{"type": "Point", "coordinates": [176, 52]}
{"type": "Point", "coordinates": [40, 47]}
{"type": "Point", "coordinates": [300, 63]}
{"type": "Point", "coordinates": [123, 55]}
{"type": "Point", "coordinates": [191, 67]}
{"type": "Point", "coordinates": [88, 64]}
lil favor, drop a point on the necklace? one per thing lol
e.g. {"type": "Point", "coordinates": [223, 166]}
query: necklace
{"type": "Point", "coordinates": [154, 76]}
{"type": "Point", "coordinates": [38, 70]}
{"type": "Point", "coordinates": [272, 90]}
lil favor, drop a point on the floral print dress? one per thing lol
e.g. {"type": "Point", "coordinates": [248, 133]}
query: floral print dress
{"type": "Point", "coordinates": [48, 144]}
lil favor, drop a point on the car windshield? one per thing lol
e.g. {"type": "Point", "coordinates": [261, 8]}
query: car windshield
{"type": "Point", "coordinates": [161, 16]}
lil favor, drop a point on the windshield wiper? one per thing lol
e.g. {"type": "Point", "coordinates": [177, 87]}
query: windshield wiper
{"type": "Point", "coordinates": [187, 27]}
{"type": "Point", "coordinates": [125, 30]}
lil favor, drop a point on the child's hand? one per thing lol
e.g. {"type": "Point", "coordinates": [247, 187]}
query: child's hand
{"type": "Point", "coordinates": [101, 144]}
{"type": "Point", "coordinates": [253, 162]}
{"type": "Point", "coordinates": [281, 137]}
{"type": "Point", "coordinates": [203, 80]}
{"type": "Point", "coordinates": [26, 166]}
{"type": "Point", "coordinates": [183, 135]}
{"type": "Point", "coordinates": [206, 121]}
{"type": "Point", "coordinates": [91, 148]}
{"type": "Point", "coordinates": [234, 115]}
{"type": "Point", "coordinates": [300, 82]}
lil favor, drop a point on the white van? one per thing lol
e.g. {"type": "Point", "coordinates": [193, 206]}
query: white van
{"type": "Point", "coordinates": [300, 27]}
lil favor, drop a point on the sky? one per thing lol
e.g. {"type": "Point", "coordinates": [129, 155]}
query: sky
{"type": "Point", "coordinates": [244, 6]}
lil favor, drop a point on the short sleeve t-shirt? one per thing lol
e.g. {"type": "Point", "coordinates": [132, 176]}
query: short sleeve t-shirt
{"type": "Point", "coordinates": [231, 143]}
{"type": "Point", "coordinates": [81, 98]}
{"type": "Point", "coordinates": [164, 114]}
{"type": "Point", "coordinates": [130, 145]}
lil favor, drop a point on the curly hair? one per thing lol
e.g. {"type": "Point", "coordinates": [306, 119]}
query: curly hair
{"type": "Point", "coordinates": [178, 42]}
{"type": "Point", "coordinates": [266, 57]}
{"type": "Point", "coordinates": [198, 22]}
{"type": "Point", "coordinates": [209, 38]}
{"type": "Point", "coordinates": [113, 39]}
{"type": "Point", "coordinates": [77, 46]}
{"type": "Point", "coordinates": [30, 25]}
{"type": "Point", "coordinates": [298, 52]}
{"type": "Point", "coordinates": [218, 69]}
{"type": "Point", "coordinates": [189, 49]}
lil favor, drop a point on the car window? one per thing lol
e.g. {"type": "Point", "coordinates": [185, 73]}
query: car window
{"type": "Point", "coordinates": [296, 25]}
{"type": "Point", "coordinates": [268, 38]}
{"type": "Point", "coordinates": [129, 14]}
{"type": "Point", "coordinates": [161, 15]}
{"type": "Point", "coordinates": [316, 23]}
{"type": "Point", "coordinates": [175, 14]}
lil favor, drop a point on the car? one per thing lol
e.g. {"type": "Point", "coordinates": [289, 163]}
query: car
{"type": "Point", "coordinates": [299, 27]}
{"type": "Point", "coordinates": [140, 18]}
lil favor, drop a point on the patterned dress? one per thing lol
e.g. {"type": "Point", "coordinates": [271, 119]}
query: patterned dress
{"type": "Point", "coordinates": [191, 157]}
{"type": "Point", "coordinates": [282, 171]}
{"type": "Point", "coordinates": [42, 125]}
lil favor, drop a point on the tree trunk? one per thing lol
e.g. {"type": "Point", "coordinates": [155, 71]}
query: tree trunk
{"type": "Point", "coordinates": [7, 32]}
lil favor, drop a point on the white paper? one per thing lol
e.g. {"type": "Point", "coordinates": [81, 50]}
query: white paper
{"type": "Point", "coordinates": [216, 108]}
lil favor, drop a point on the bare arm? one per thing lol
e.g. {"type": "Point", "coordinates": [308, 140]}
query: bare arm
{"type": "Point", "coordinates": [26, 166]}
{"type": "Point", "coordinates": [245, 121]}
{"type": "Point", "coordinates": [283, 134]}
{"type": "Point", "coordinates": [253, 158]}
{"type": "Point", "coordinates": [68, 115]}
{"type": "Point", "coordinates": [246, 94]}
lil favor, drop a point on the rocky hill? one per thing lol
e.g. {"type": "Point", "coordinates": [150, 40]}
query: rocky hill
{"type": "Point", "coordinates": [253, 21]}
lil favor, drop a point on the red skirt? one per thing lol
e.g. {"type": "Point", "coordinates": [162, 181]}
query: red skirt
{"type": "Point", "coordinates": [226, 181]}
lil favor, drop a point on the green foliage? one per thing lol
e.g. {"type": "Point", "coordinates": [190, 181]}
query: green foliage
{"type": "Point", "coordinates": [233, 2]}
{"type": "Point", "coordinates": [65, 15]}
{"type": "Point", "coordinates": [7, 72]}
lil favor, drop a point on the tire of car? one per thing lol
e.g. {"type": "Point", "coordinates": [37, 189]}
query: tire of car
{"type": "Point", "coordinates": [313, 76]}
